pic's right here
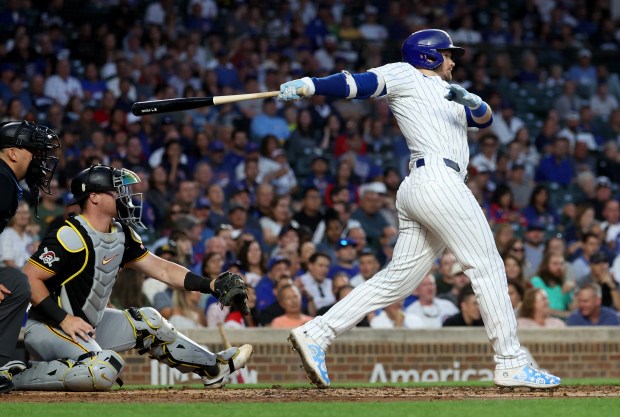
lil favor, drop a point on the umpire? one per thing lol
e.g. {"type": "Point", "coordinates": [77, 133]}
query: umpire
{"type": "Point", "coordinates": [25, 153]}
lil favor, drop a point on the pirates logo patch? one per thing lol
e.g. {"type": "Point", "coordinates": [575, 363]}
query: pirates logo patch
{"type": "Point", "coordinates": [48, 257]}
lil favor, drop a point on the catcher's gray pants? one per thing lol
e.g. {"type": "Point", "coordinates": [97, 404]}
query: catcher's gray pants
{"type": "Point", "coordinates": [118, 331]}
{"type": "Point", "coordinates": [12, 310]}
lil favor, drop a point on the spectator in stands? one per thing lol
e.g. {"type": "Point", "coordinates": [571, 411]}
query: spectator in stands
{"type": "Point", "coordinates": [289, 298]}
{"type": "Point", "coordinates": [506, 123]}
{"type": "Point", "coordinates": [603, 194]}
{"type": "Point", "coordinates": [269, 123]}
{"type": "Point", "coordinates": [20, 239]}
{"type": "Point", "coordinates": [62, 85]}
{"type": "Point", "coordinates": [608, 164]}
{"type": "Point", "coordinates": [429, 312]}
{"type": "Point", "coordinates": [539, 210]}
{"type": "Point", "coordinates": [514, 271]}
{"type": "Point", "coordinates": [515, 292]}
{"type": "Point", "coordinates": [611, 225]}
{"type": "Point", "coordinates": [535, 312]}
{"type": "Point", "coordinates": [279, 216]}
{"type": "Point", "coordinates": [391, 317]}
{"type": "Point", "coordinates": [503, 233]}
{"type": "Point", "coordinates": [589, 310]}
{"type": "Point", "coordinates": [346, 259]}
{"type": "Point", "coordinates": [584, 73]}
{"type": "Point", "coordinates": [469, 314]}
{"type": "Point", "coordinates": [127, 291]}
{"type": "Point", "coordinates": [369, 212]}
{"type": "Point", "coordinates": [502, 209]}
{"type": "Point", "coordinates": [551, 278]}
{"type": "Point", "coordinates": [534, 246]}
{"type": "Point", "coordinates": [277, 268]}
{"type": "Point", "coordinates": [590, 244]}
{"type": "Point", "coordinates": [458, 280]}
{"type": "Point", "coordinates": [600, 274]}
{"type": "Point", "coordinates": [310, 213]}
{"type": "Point", "coordinates": [186, 310]}
{"type": "Point", "coordinates": [368, 267]}
{"type": "Point", "coordinates": [568, 101]}
{"type": "Point", "coordinates": [557, 167]}
{"type": "Point", "coordinates": [252, 262]}
{"type": "Point", "coordinates": [315, 281]}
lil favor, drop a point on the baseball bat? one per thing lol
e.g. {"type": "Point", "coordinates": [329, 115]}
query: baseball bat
{"type": "Point", "coordinates": [220, 328]}
{"type": "Point", "coordinates": [142, 108]}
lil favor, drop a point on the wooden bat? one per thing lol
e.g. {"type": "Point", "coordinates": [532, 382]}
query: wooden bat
{"type": "Point", "coordinates": [220, 328]}
{"type": "Point", "coordinates": [142, 108]}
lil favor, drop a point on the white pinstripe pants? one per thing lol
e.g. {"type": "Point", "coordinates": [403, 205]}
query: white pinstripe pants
{"type": "Point", "coordinates": [436, 209]}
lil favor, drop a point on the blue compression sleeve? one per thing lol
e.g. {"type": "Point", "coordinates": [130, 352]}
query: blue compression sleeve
{"type": "Point", "coordinates": [472, 123]}
{"type": "Point", "coordinates": [331, 86]}
{"type": "Point", "coordinates": [336, 85]}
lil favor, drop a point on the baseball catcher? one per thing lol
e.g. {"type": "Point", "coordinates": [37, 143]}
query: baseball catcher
{"type": "Point", "coordinates": [70, 333]}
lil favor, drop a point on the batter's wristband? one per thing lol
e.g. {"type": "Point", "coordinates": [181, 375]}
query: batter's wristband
{"type": "Point", "coordinates": [480, 111]}
{"type": "Point", "coordinates": [51, 310]}
{"type": "Point", "coordinates": [195, 282]}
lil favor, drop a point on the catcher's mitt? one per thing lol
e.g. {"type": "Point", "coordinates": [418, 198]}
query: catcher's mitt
{"type": "Point", "coordinates": [231, 290]}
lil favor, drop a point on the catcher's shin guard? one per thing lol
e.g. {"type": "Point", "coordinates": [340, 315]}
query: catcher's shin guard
{"type": "Point", "coordinates": [93, 371]}
{"type": "Point", "coordinates": [155, 335]}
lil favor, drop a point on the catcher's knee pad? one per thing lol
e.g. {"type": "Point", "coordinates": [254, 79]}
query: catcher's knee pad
{"type": "Point", "coordinates": [150, 328]}
{"type": "Point", "coordinates": [93, 371]}
{"type": "Point", "coordinates": [155, 334]}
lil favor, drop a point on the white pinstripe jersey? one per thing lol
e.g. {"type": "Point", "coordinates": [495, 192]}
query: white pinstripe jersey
{"type": "Point", "coordinates": [431, 124]}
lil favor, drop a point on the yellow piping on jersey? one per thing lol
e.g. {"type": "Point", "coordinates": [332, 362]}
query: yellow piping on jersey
{"type": "Point", "coordinates": [67, 338]}
{"type": "Point", "coordinates": [38, 265]}
{"type": "Point", "coordinates": [85, 255]}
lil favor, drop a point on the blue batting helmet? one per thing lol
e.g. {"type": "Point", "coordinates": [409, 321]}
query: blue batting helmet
{"type": "Point", "coordinates": [423, 48]}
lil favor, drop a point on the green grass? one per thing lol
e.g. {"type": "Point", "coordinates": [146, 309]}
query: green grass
{"type": "Point", "coordinates": [478, 408]}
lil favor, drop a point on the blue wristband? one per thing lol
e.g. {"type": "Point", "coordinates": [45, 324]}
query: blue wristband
{"type": "Point", "coordinates": [480, 111]}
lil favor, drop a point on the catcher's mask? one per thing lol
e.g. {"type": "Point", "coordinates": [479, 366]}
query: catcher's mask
{"type": "Point", "coordinates": [102, 178]}
{"type": "Point", "coordinates": [41, 142]}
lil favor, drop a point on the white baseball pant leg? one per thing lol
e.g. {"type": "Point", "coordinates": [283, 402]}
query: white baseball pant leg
{"type": "Point", "coordinates": [435, 207]}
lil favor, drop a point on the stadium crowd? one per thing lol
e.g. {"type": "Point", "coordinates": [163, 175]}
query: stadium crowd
{"type": "Point", "coordinates": [299, 198]}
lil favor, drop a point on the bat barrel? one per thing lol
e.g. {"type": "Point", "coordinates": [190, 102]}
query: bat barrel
{"type": "Point", "coordinates": [142, 108]}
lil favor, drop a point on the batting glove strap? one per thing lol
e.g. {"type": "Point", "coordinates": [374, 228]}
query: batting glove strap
{"type": "Point", "coordinates": [296, 89]}
{"type": "Point", "coordinates": [459, 95]}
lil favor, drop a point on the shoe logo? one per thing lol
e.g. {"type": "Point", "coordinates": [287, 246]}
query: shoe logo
{"type": "Point", "coordinates": [106, 261]}
{"type": "Point", "coordinates": [505, 374]}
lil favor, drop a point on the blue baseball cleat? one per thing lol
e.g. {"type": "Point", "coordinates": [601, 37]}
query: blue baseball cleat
{"type": "Point", "coordinates": [525, 376]}
{"type": "Point", "coordinates": [312, 357]}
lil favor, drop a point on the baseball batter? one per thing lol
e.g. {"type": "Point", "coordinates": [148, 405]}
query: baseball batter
{"type": "Point", "coordinates": [70, 333]}
{"type": "Point", "coordinates": [435, 207]}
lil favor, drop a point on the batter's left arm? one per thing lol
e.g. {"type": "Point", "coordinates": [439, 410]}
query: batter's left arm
{"type": "Point", "coordinates": [479, 113]}
{"type": "Point", "coordinates": [342, 85]}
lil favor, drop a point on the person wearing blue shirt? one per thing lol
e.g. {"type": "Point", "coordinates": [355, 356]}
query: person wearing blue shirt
{"type": "Point", "coordinates": [589, 311]}
{"type": "Point", "coordinates": [269, 123]}
{"type": "Point", "coordinates": [557, 167]}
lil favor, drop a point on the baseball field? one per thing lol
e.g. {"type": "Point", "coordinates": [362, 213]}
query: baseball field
{"type": "Point", "coordinates": [574, 398]}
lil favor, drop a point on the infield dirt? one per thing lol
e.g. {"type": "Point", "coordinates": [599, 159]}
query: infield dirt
{"type": "Point", "coordinates": [279, 394]}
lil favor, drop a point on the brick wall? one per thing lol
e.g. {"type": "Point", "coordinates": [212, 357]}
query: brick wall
{"type": "Point", "coordinates": [363, 355]}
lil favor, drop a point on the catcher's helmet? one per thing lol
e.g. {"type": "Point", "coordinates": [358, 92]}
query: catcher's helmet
{"type": "Point", "coordinates": [101, 178]}
{"type": "Point", "coordinates": [423, 48]}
